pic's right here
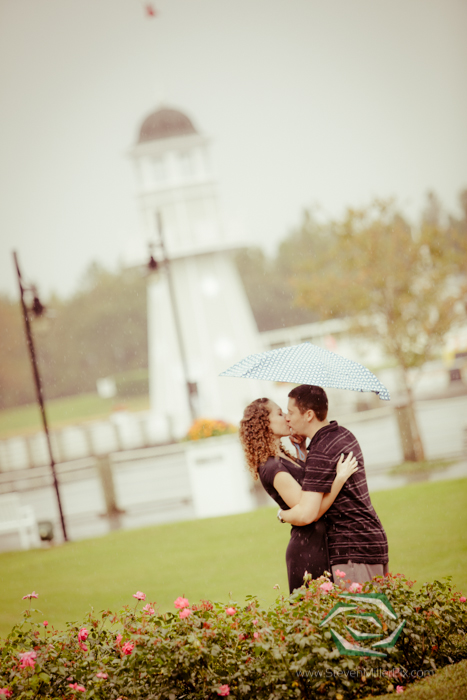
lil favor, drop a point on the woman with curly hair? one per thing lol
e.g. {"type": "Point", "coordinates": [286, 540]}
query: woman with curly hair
{"type": "Point", "coordinates": [261, 429]}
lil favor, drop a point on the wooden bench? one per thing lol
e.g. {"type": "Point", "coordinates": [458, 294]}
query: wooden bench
{"type": "Point", "coordinates": [17, 518]}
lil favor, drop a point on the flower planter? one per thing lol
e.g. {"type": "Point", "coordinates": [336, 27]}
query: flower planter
{"type": "Point", "coordinates": [220, 481]}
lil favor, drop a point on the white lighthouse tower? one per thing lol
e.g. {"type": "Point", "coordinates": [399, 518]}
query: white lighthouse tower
{"type": "Point", "coordinates": [199, 318]}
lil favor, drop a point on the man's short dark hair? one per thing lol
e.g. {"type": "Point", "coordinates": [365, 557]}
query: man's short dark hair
{"type": "Point", "coordinates": [309, 397]}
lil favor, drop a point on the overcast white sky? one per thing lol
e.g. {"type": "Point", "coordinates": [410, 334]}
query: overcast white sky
{"type": "Point", "coordinates": [327, 102]}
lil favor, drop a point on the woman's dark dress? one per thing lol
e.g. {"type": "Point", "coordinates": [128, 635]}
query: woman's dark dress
{"type": "Point", "coordinates": [307, 549]}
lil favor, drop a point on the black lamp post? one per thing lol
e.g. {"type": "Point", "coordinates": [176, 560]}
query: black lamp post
{"type": "Point", "coordinates": [38, 309]}
{"type": "Point", "coordinates": [191, 387]}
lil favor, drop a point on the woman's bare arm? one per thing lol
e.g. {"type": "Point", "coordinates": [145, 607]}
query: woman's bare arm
{"type": "Point", "coordinates": [290, 490]}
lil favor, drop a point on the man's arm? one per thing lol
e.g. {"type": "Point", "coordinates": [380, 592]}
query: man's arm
{"type": "Point", "coordinates": [291, 491]}
{"type": "Point", "coordinates": [306, 511]}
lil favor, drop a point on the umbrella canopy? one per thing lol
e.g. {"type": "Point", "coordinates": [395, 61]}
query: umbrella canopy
{"type": "Point", "coordinates": [308, 364]}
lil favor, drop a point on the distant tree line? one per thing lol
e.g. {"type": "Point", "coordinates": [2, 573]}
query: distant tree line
{"type": "Point", "coordinates": [100, 331]}
{"type": "Point", "coordinates": [403, 285]}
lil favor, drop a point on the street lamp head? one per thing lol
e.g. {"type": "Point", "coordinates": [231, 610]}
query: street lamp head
{"type": "Point", "coordinates": [153, 265]}
{"type": "Point", "coordinates": [38, 309]}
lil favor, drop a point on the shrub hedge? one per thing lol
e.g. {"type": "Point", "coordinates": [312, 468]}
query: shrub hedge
{"type": "Point", "coordinates": [304, 646]}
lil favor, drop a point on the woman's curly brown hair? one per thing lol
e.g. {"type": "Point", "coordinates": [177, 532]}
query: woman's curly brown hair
{"type": "Point", "coordinates": [256, 436]}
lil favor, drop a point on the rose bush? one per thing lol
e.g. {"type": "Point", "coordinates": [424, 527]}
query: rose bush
{"type": "Point", "coordinates": [240, 651]}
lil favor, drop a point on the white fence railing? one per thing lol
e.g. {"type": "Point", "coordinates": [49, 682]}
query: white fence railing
{"type": "Point", "coordinates": [442, 423]}
{"type": "Point", "coordinates": [104, 486]}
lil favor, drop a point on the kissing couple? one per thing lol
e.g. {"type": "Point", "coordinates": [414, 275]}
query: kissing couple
{"type": "Point", "coordinates": [321, 491]}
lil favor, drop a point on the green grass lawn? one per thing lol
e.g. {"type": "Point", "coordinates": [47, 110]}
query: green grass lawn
{"type": "Point", "coordinates": [450, 683]}
{"type": "Point", "coordinates": [242, 554]}
{"type": "Point", "coordinates": [71, 409]}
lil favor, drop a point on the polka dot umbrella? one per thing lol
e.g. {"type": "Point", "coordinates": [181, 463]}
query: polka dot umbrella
{"type": "Point", "coordinates": [308, 364]}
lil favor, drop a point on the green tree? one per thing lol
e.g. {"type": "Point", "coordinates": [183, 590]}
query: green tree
{"type": "Point", "coordinates": [457, 231]}
{"type": "Point", "coordinates": [16, 381]}
{"type": "Point", "coordinates": [99, 331]}
{"type": "Point", "coordinates": [397, 286]}
{"type": "Point", "coordinates": [269, 291]}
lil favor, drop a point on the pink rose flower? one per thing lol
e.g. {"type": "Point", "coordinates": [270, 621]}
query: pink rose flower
{"type": "Point", "coordinates": [28, 659]}
{"type": "Point", "coordinates": [230, 611]}
{"type": "Point", "coordinates": [255, 622]}
{"type": "Point", "coordinates": [255, 635]}
{"type": "Point", "coordinates": [355, 587]}
{"type": "Point", "coordinates": [462, 599]}
{"type": "Point", "coordinates": [327, 586]}
{"type": "Point", "coordinates": [30, 595]}
{"type": "Point", "coordinates": [223, 691]}
{"type": "Point", "coordinates": [76, 686]}
{"type": "Point", "coordinates": [399, 689]}
{"type": "Point", "coordinates": [181, 602]}
{"type": "Point", "coordinates": [148, 609]}
{"type": "Point", "coordinates": [82, 646]}
{"type": "Point", "coordinates": [101, 674]}
{"type": "Point", "coordinates": [118, 638]}
{"type": "Point", "coordinates": [6, 692]}
{"type": "Point", "coordinates": [139, 595]}
{"type": "Point", "coordinates": [83, 634]}
{"type": "Point", "coordinates": [186, 612]}
{"type": "Point", "coordinates": [341, 574]}
{"type": "Point", "coordinates": [127, 648]}
{"type": "Point", "coordinates": [45, 623]}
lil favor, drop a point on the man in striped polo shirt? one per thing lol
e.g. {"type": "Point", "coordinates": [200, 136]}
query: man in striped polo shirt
{"type": "Point", "coordinates": [356, 539]}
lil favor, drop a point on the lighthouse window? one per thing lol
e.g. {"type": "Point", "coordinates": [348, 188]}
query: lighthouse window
{"type": "Point", "coordinates": [158, 169]}
{"type": "Point", "coordinates": [186, 164]}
